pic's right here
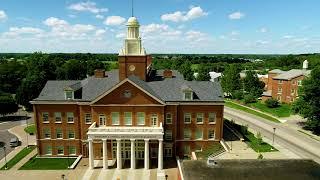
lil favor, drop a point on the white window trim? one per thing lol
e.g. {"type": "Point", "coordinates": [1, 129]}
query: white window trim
{"type": "Point", "coordinates": [44, 134]}
{"type": "Point", "coordinates": [47, 150]}
{"type": "Point", "coordinates": [214, 134]}
{"type": "Point", "coordinates": [45, 122]}
{"type": "Point", "coordinates": [105, 118]}
{"type": "Point", "coordinates": [65, 95]}
{"type": "Point", "coordinates": [62, 151]}
{"type": "Point", "coordinates": [197, 118]}
{"type": "Point", "coordinates": [125, 120]}
{"type": "Point", "coordinates": [166, 133]}
{"type": "Point", "coordinates": [184, 118]}
{"type": "Point", "coordinates": [55, 118]}
{"type": "Point", "coordinates": [74, 135]}
{"type": "Point", "coordinates": [61, 134]}
{"type": "Point", "coordinates": [154, 116]}
{"type": "Point", "coordinates": [280, 81]}
{"type": "Point", "coordinates": [72, 118]}
{"type": "Point", "coordinates": [169, 118]}
{"type": "Point", "coordinates": [184, 95]}
{"type": "Point", "coordinates": [168, 155]}
{"type": "Point", "coordinates": [190, 134]}
{"type": "Point", "coordinates": [116, 124]}
{"type": "Point", "coordinates": [201, 135]}
{"type": "Point", "coordinates": [144, 121]}
{"type": "Point", "coordinates": [215, 118]}
{"type": "Point", "coordinates": [85, 118]}
{"type": "Point", "coordinates": [75, 151]}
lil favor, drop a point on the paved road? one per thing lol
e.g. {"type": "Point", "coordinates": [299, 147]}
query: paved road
{"type": "Point", "coordinates": [298, 143]}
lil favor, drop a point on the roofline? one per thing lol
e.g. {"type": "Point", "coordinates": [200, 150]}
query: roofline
{"type": "Point", "coordinates": [288, 78]}
{"type": "Point", "coordinates": [118, 85]}
{"type": "Point", "coordinates": [57, 102]}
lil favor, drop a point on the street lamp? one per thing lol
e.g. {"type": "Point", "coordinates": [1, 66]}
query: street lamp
{"type": "Point", "coordinates": [166, 176]}
{"type": "Point", "coordinates": [27, 132]}
{"type": "Point", "coordinates": [5, 157]}
{"type": "Point", "coordinates": [62, 176]}
{"type": "Point", "coordinates": [274, 132]}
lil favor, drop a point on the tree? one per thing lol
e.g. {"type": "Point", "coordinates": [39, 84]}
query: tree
{"type": "Point", "coordinates": [252, 84]}
{"type": "Point", "coordinates": [72, 70]}
{"type": "Point", "coordinates": [93, 65]}
{"type": "Point", "coordinates": [249, 98]}
{"type": "Point", "coordinates": [186, 71]}
{"type": "Point", "coordinates": [308, 104]}
{"type": "Point", "coordinates": [7, 105]}
{"type": "Point", "coordinates": [11, 75]}
{"type": "Point", "coordinates": [231, 79]}
{"type": "Point", "coordinates": [203, 73]}
{"type": "Point", "coordinates": [272, 103]}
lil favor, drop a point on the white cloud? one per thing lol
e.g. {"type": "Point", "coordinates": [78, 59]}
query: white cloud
{"type": "Point", "coordinates": [153, 28]}
{"type": "Point", "coordinates": [114, 20]}
{"type": "Point", "coordinates": [87, 6]}
{"type": "Point", "coordinates": [53, 21]}
{"type": "Point", "coordinates": [16, 31]}
{"type": "Point", "coordinates": [263, 30]}
{"type": "Point", "coordinates": [178, 16]}
{"type": "Point", "coordinates": [99, 16]}
{"type": "Point", "coordinates": [236, 15]}
{"type": "Point", "coordinates": [195, 35]}
{"type": "Point", "coordinates": [234, 33]}
{"type": "Point", "coordinates": [100, 32]}
{"type": "Point", "coordinates": [3, 16]}
{"type": "Point", "coordinates": [121, 35]}
{"type": "Point", "coordinates": [262, 42]}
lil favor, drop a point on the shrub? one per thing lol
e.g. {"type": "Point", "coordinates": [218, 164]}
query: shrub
{"type": "Point", "coordinates": [244, 129]}
{"type": "Point", "coordinates": [272, 103]}
{"type": "Point", "coordinates": [238, 95]}
{"type": "Point", "coordinates": [260, 156]}
{"type": "Point", "coordinates": [259, 138]}
{"type": "Point", "coordinates": [249, 98]}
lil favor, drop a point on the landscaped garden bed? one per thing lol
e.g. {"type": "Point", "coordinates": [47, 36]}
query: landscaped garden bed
{"type": "Point", "coordinates": [206, 152]}
{"type": "Point", "coordinates": [48, 163]}
{"type": "Point", "coordinates": [31, 129]}
{"type": "Point", "coordinates": [23, 153]}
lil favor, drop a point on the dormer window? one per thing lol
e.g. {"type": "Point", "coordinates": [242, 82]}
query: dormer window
{"type": "Point", "coordinates": [69, 95]}
{"type": "Point", "coordinates": [188, 95]}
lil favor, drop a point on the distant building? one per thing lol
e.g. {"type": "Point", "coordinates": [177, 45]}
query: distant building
{"type": "Point", "coordinates": [214, 76]}
{"type": "Point", "coordinates": [284, 85]}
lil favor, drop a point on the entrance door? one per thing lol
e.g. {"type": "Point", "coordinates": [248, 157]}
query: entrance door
{"type": "Point", "coordinates": [154, 152]}
{"type": "Point", "coordinates": [154, 120]}
{"type": "Point", "coordinates": [102, 120]}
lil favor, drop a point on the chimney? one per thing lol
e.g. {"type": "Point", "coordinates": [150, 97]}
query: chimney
{"type": "Point", "coordinates": [99, 73]}
{"type": "Point", "coordinates": [167, 73]}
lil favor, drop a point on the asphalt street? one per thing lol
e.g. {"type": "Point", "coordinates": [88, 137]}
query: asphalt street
{"type": "Point", "coordinates": [291, 139]}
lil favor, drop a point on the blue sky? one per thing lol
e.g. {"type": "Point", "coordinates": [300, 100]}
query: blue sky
{"type": "Point", "coordinates": [167, 26]}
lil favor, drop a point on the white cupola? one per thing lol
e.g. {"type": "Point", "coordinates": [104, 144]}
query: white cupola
{"type": "Point", "coordinates": [132, 43]}
{"type": "Point", "coordinates": [305, 65]}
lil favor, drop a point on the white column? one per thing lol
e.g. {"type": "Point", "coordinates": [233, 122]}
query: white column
{"type": "Point", "coordinates": [160, 155]}
{"type": "Point", "coordinates": [146, 154]}
{"type": "Point", "coordinates": [91, 158]}
{"type": "Point", "coordinates": [105, 153]}
{"type": "Point", "coordinates": [119, 161]}
{"type": "Point", "coordinates": [133, 154]}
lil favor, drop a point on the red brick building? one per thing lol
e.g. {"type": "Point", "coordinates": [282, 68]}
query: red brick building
{"type": "Point", "coordinates": [284, 85]}
{"type": "Point", "coordinates": [131, 114]}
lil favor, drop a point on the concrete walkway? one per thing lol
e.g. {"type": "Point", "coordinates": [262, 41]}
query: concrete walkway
{"type": "Point", "coordinates": [22, 135]}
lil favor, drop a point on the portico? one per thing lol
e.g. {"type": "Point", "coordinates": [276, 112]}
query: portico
{"type": "Point", "coordinates": [121, 135]}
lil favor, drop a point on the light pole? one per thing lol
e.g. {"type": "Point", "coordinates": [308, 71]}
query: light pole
{"type": "Point", "coordinates": [166, 176]}
{"type": "Point", "coordinates": [27, 132]}
{"type": "Point", "coordinates": [62, 176]}
{"type": "Point", "coordinates": [274, 132]}
{"type": "Point", "coordinates": [5, 157]}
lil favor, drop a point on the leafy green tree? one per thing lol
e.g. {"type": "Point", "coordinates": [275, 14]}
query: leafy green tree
{"type": "Point", "coordinates": [72, 70]}
{"type": "Point", "coordinates": [249, 98]}
{"type": "Point", "coordinates": [231, 79]}
{"type": "Point", "coordinates": [252, 84]}
{"type": "Point", "coordinates": [7, 105]}
{"type": "Point", "coordinates": [11, 75]}
{"type": "Point", "coordinates": [272, 103]}
{"type": "Point", "coordinates": [93, 65]}
{"type": "Point", "coordinates": [308, 104]}
{"type": "Point", "coordinates": [203, 72]}
{"type": "Point", "coordinates": [186, 71]}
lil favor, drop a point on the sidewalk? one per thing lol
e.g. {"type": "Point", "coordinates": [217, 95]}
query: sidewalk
{"type": "Point", "coordinates": [22, 135]}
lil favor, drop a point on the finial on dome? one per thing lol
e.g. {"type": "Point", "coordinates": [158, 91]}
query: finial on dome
{"type": "Point", "coordinates": [132, 8]}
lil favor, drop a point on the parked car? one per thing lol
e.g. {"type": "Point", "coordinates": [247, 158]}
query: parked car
{"type": "Point", "coordinates": [14, 142]}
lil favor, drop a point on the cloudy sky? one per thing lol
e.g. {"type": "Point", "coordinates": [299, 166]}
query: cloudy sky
{"type": "Point", "coordinates": [167, 26]}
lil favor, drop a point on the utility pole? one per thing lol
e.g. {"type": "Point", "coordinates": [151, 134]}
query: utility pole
{"type": "Point", "coordinates": [27, 132]}
{"type": "Point", "coordinates": [274, 132]}
{"type": "Point", "coordinates": [5, 157]}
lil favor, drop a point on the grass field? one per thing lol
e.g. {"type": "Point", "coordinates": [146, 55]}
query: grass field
{"type": "Point", "coordinates": [30, 129]}
{"type": "Point", "coordinates": [23, 153]}
{"type": "Point", "coordinates": [248, 110]}
{"type": "Point", "coordinates": [48, 163]}
{"type": "Point", "coordinates": [208, 151]}
{"type": "Point", "coordinates": [252, 141]}
{"type": "Point", "coordinates": [284, 110]}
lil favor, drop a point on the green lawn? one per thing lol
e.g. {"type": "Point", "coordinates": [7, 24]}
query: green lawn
{"type": "Point", "coordinates": [47, 163]}
{"type": "Point", "coordinates": [30, 129]}
{"type": "Point", "coordinates": [209, 150]}
{"type": "Point", "coordinates": [248, 110]}
{"type": "Point", "coordinates": [23, 153]}
{"type": "Point", "coordinates": [284, 110]}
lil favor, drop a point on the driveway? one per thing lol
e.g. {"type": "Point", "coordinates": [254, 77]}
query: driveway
{"type": "Point", "coordinates": [285, 136]}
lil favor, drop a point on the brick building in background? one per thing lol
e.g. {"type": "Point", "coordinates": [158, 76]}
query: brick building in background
{"type": "Point", "coordinates": [284, 85]}
{"type": "Point", "coordinates": [132, 114]}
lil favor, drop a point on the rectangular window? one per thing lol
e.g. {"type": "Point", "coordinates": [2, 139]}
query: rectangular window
{"type": "Point", "coordinates": [168, 118]}
{"type": "Point", "coordinates": [87, 118]}
{"type": "Point", "coordinates": [72, 150]}
{"type": "Point", "coordinates": [212, 117]}
{"type": "Point", "coordinates": [71, 134]}
{"type": "Point", "coordinates": [141, 118]}
{"type": "Point", "coordinates": [57, 116]}
{"type": "Point", "coordinates": [60, 150]}
{"type": "Point", "coordinates": [115, 118]}
{"type": "Point", "coordinates": [279, 98]}
{"type": "Point", "coordinates": [292, 91]}
{"type": "Point", "coordinates": [167, 152]}
{"type": "Point", "coordinates": [70, 117]}
{"type": "Point", "coordinates": [128, 118]}
{"type": "Point", "coordinates": [48, 150]}
{"type": "Point", "coordinates": [199, 134]}
{"type": "Point", "coordinates": [186, 134]}
{"type": "Point", "coordinates": [45, 117]}
{"type": "Point", "coordinates": [299, 83]}
{"type": "Point", "coordinates": [47, 133]}
{"type": "Point", "coordinates": [102, 120]}
{"type": "Point", "coordinates": [168, 134]}
{"type": "Point", "coordinates": [279, 90]}
{"type": "Point", "coordinates": [186, 150]}
{"type": "Point", "coordinates": [187, 95]}
{"type": "Point", "coordinates": [59, 133]}
{"type": "Point", "coordinates": [280, 81]}
{"type": "Point", "coordinates": [154, 120]}
{"type": "Point", "coordinates": [211, 134]}
{"type": "Point", "coordinates": [187, 118]}
{"type": "Point", "coordinates": [199, 118]}
{"type": "Point", "coordinates": [69, 95]}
